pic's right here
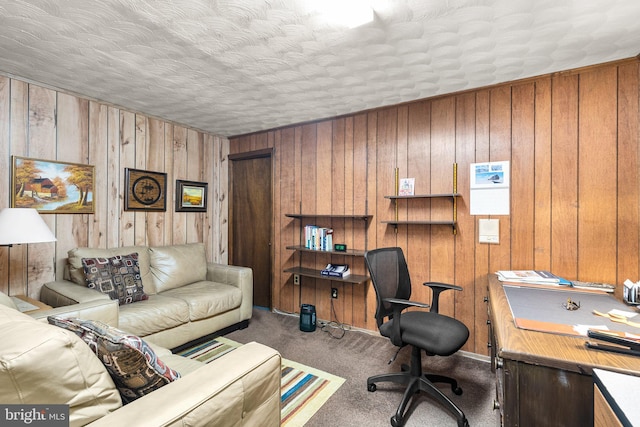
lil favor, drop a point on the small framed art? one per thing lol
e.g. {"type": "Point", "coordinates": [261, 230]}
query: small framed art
{"type": "Point", "coordinates": [145, 190]}
{"type": "Point", "coordinates": [191, 196]}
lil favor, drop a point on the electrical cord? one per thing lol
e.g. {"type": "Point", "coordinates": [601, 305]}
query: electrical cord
{"type": "Point", "coordinates": [331, 326]}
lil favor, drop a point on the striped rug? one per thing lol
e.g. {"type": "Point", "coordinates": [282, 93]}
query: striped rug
{"type": "Point", "coordinates": [303, 389]}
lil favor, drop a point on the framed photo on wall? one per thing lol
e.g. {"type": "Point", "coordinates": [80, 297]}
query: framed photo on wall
{"type": "Point", "coordinates": [145, 190]}
{"type": "Point", "coordinates": [191, 196]}
{"type": "Point", "coordinates": [51, 186]}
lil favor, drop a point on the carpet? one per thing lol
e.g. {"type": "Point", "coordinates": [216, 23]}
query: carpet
{"type": "Point", "coordinates": [303, 389]}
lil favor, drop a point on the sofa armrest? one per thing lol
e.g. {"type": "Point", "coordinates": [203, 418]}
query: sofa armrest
{"type": "Point", "coordinates": [239, 388]}
{"type": "Point", "coordinates": [105, 311]}
{"type": "Point", "coordinates": [63, 292]}
{"type": "Point", "coordinates": [241, 277]}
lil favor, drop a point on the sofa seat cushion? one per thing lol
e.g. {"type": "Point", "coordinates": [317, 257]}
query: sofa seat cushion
{"type": "Point", "coordinates": [43, 364]}
{"type": "Point", "coordinates": [206, 299]}
{"type": "Point", "coordinates": [158, 313]}
{"type": "Point", "coordinates": [177, 265]}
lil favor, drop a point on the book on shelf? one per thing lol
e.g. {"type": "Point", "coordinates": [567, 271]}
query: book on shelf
{"type": "Point", "coordinates": [318, 238]}
{"type": "Point", "coordinates": [531, 276]}
{"type": "Point", "coordinates": [336, 270]}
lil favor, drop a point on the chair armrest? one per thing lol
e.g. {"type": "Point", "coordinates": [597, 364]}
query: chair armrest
{"type": "Point", "coordinates": [240, 277]}
{"type": "Point", "coordinates": [240, 388]}
{"type": "Point", "coordinates": [63, 292]}
{"type": "Point", "coordinates": [398, 306]}
{"type": "Point", "coordinates": [437, 288]}
{"type": "Point", "coordinates": [105, 311]}
{"type": "Point", "coordinates": [406, 303]}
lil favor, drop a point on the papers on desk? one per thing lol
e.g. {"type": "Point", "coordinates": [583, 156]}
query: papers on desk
{"type": "Point", "coordinates": [531, 276]}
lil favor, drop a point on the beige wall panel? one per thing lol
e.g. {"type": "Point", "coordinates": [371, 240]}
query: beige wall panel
{"type": "Point", "coordinates": [41, 145]}
{"type": "Point", "coordinates": [99, 158]}
{"type": "Point", "coordinates": [72, 147]}
{"type": "Point", "coordinates": [115, 180]}
{"type": "Point", "coordinates": [180, 165]}
{"type": "Point", "coordinates": [127, 160]}
{"type": "Point", "coordinates": [5, 171]}
{"type": "Point", "coordinates": [46, 124]}
{"type": "Point", "coordinates": [155, 150]}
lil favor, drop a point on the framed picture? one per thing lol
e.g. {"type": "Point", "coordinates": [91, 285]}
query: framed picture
{"type": "Point", "coordinates": [145, 190]}
{"type": "Point", "coordinates": [191, 196]}
{"type": "Point", "coordinates": [52, 187]}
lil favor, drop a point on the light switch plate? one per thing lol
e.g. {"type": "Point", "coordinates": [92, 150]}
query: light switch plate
{"type": "Point", "coordinates": [488, 230]}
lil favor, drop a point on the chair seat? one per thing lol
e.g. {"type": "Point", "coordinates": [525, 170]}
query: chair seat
{"type": "Point", "coordinates": [437, 334]}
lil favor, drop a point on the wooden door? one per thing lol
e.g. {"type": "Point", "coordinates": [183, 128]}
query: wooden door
{"type": "Point", "coordinates": [251, 218]}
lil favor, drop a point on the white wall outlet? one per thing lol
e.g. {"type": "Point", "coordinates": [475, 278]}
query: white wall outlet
{"type": "Point", "coordinates": [296, 279]}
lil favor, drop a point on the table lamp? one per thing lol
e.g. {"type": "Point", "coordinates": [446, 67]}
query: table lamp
{"type": "Point", "coordinates": [23, 225]}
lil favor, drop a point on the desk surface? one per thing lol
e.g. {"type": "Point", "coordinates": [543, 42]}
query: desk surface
{"type": "Point", "coordinates": [553, 350]}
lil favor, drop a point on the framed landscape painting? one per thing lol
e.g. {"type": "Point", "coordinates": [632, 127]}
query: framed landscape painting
{"type": "Point", "coordinates": [191, 196]}
{"type": "Point", "coordinates": [52, 187]}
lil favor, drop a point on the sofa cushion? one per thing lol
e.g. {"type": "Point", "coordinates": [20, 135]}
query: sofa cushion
{"type": "Point", "coordinates": [76, 270]}
{"type": "Point", "coordinates": [156, 314]}
{"type": "Point", "coordinates": [40, 364]}
{"type": "Point", "coordinates": [117, 276]}
{"type": "Point", "coordinates": [131, 362]}
{"type": "Point", "coordinates": [177, 265]}
{"type": "Point", "coordinates": [206, 299]}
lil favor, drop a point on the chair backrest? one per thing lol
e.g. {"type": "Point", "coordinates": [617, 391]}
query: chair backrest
{"type": "Point", "coordinates": [390, 277]}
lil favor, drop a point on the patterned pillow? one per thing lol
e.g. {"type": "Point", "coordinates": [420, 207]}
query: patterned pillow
{"type": "Point", "coordinates": [118, 277]}
{"type": "Point", "coordinates": [132, 364]}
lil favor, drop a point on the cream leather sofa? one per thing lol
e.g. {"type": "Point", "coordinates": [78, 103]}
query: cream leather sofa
{"type": "Point", "coordinates": [188, 297]}
{"type": "Point", "coordinates": [44, 364]}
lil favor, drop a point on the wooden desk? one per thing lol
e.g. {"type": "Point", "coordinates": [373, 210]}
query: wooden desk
{"type": "Point", "coordinates": [544, 379]}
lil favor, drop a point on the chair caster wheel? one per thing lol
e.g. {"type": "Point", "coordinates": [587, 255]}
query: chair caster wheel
{"type": "Point", "coordinates": [457, 391]}
{"type": "Point", "coordinates": [371, 387]}
{"type": "Point", "coordinates": [396, 421]}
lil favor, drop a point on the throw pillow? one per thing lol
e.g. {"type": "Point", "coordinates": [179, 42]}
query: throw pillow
{"type": "Point", "coordinates": [133, 365]}
{"type": "Point", "coordinates": [118, 277]}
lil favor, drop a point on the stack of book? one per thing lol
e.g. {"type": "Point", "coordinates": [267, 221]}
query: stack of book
{"type": "Point", "coordinates": [318, 238]}
{"type": "Point", "coordinates": [336, 270]}
{"type": "Point", "coordinates": [531, 276]}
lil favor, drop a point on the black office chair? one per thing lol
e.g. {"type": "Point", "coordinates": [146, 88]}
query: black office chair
{"type": "Point", "coordinates": [434, 333]}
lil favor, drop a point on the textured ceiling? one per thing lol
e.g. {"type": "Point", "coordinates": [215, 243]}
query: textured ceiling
{"type": "Point", "coordinates": [237, 66]}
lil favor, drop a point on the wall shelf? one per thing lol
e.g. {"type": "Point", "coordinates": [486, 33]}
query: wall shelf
{"type": "Point", "coordinates": [453, 196]}
{"type": "Point", "coordinates": [315, 274]}
{"type": "Point", "coordinates": [309, 272]}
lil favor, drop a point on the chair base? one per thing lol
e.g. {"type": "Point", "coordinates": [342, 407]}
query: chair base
{"type": "Point", "coordinates": [416, 381]}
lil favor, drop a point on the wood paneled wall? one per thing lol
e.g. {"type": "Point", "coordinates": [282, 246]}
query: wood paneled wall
{"type": "Point", "coordinates": [573, 142]}
{"type": "Point", "coordinates": [42, 123]}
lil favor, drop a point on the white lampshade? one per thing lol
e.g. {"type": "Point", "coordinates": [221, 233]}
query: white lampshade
{"type": "Point", "coordinates": [23, 225]}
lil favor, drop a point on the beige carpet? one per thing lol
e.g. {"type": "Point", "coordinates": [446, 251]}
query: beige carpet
{"type": "Point", "coordinates": [303, 389]}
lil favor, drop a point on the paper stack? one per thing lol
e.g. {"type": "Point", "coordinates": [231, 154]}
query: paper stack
{"type": "Point", "coordinates": [529, 276]}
